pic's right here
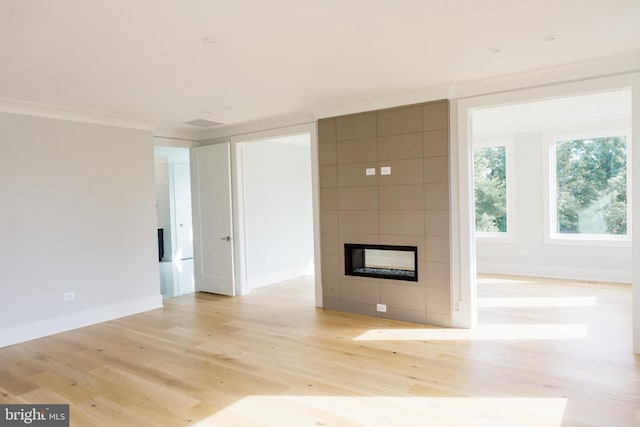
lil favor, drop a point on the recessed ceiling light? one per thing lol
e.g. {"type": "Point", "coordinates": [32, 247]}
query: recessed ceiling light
{"type": "Point", "coordinates": [494, 50]}
{"type": "Point", "coordinates": [209, 40]}
{"type": "Point", "coordinates": [550, 38]}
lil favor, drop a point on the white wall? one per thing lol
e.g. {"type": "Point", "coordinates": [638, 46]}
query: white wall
{"type": "Point", "coordinates": [529, 128]}
{"type": "Point", "coordinates": [78, 215]}
{"type": "Point", "coordinates": [529, 253]}
{"type": "Point", "coordinates": [278, 209]}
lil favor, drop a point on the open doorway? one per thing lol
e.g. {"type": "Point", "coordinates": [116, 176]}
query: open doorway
{"type": "Point", "coordinates": [276, 210]}
{"type": "Point", "coordinates": [175, 231]}
{"type": "Point", "coordinates": [552, 218]}
{"type": "Point", "coordinates": [554, 239]}
{"type": "Point", "coordinates": [552, 184]}
{"type": "Point", "coordinates": [267, 229]}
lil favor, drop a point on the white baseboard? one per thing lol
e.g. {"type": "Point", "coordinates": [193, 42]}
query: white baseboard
{"type": "Point", "coordinates": [55, 325]}
{"type": "Point", "coordinates": [460, 318]}
{"type": "Point", "coordinates": [590, 274]}
{"type": "Point", "coordinates": [275, 277]}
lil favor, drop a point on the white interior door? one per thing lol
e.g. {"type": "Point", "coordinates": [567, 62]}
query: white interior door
{"type": "Point", "coordinates": [212, 219]}
{"type": "Point", "coordinates": [182, 197]}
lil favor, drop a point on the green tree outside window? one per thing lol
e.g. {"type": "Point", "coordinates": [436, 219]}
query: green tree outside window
{"type": "Point", "coordinates": [591, 186]}
{"type": "Point", "coordinates": [490, 182]}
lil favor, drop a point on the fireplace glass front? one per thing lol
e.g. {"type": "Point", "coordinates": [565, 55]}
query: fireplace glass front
{"type": "Point", "coordinates": [381, 261]}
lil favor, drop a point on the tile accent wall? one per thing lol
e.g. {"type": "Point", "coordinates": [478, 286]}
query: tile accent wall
{"type": "Point", "coordinates": [409, 207]}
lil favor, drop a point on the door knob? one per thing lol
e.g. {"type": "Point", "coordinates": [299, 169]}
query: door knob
{"type": "Point", "coordinates": [227, 238]}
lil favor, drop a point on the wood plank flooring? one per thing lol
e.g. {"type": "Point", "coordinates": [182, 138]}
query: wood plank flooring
{"type": "Point", "coordinates": [546, 353]}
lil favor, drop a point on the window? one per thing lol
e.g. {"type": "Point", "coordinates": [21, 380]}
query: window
{"type": "Point", "coordinates": [491, 195]}
{"type": "Point", "coordinates": [591, 188]}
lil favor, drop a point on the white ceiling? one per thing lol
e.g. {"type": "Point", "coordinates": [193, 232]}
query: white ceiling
{"type": "Point", "coordinates": [147, 59]}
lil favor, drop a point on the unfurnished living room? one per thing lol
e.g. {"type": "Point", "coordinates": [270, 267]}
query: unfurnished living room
{"type": "Point", "coordinates": [294, 213]}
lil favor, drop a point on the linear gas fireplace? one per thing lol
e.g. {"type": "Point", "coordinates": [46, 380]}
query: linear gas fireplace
{"type": "Point", "coordinates": [381, 261]}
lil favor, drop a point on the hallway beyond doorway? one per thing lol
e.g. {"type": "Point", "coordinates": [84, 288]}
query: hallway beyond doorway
{"type": "Point", "coordinates": [176, 278]}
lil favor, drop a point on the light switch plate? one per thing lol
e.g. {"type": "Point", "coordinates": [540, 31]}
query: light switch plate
{"type": "Point", "coordinates": [370, 171]}
{"type": "Point", "coordinates": [385, 170]}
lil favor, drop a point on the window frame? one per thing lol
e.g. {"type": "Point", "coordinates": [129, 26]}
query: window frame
{"type": "Point", "coordinates": [506, 141]}
{"type": "Point", "coordinates": [550, 190]}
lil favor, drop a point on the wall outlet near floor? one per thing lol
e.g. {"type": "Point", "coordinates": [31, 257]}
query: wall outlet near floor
{"type": "Point", "coordinates": [382, 308]}
{"type": "Point", "coordinates": [69, 296]}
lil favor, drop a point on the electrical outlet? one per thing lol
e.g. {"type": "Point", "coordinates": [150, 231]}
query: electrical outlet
{"type": "Point", "coordinates": [382, 308]}
{"type": "Point", "coordinates": [69, 296]}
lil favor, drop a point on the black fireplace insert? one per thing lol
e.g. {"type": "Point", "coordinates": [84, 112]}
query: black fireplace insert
{"type": "Point", "coordinates": [381, 261]}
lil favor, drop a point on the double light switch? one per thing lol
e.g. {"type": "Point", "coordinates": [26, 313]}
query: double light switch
{"type": "Point", "coordinates": [385, 170]}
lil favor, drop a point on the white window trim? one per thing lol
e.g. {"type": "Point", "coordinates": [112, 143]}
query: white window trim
{"type": "Point", "coordinates": [551, 236]}
{"type": "Point", "coordinates": [505, 141]}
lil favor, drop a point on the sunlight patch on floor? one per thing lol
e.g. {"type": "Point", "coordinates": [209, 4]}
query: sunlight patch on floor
{"type": "Point", "coordinates": [538, 302]}
{"type": "Point", "coordinates": [384, 411]}
{"type": "Point", "coordinates": [482, 332]}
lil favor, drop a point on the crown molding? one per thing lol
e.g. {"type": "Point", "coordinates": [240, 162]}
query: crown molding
{"type": "Point", "coordinates": [617, 65]}
{"type": "Point", "coordinates": [275, 122]}
{"type": "Point", "coordinates": [180, 132]}
{"type": "Point", "coordinates": [621, 64]}
{"type": "Point", "coordinates": [601, 67]}
{"type": "Point", "coordinates": [165, 141]}
{"type": "Point", "coordinates": [57, 112]}
{"type": "Point", "coordinates": [416, 96]}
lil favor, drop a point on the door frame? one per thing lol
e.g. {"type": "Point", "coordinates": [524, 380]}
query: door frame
{"type": "Point", "coordinates": [464, 307]}
{"type": "Point", "coordinates": [240, 257]}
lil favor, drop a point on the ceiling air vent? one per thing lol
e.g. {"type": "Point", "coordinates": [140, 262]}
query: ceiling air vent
{"type": "Point", "coordinates": [203, 123]}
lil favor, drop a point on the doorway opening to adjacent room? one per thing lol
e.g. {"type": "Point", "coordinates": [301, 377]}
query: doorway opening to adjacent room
{"type": "Point", "coordinates": [175, 230]}
{"type": "Point", "coordinates": [276, 209]}
{"type": "Point", "coordinates": [269, 233]}
{"type": "Point", "coordinates": [551, 186]}
{"type": "Point", "coordinates": [544, 190]}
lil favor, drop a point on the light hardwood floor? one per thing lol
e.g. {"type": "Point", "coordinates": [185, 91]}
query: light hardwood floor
{"type": "Point", "coordinates": [547, 353]}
